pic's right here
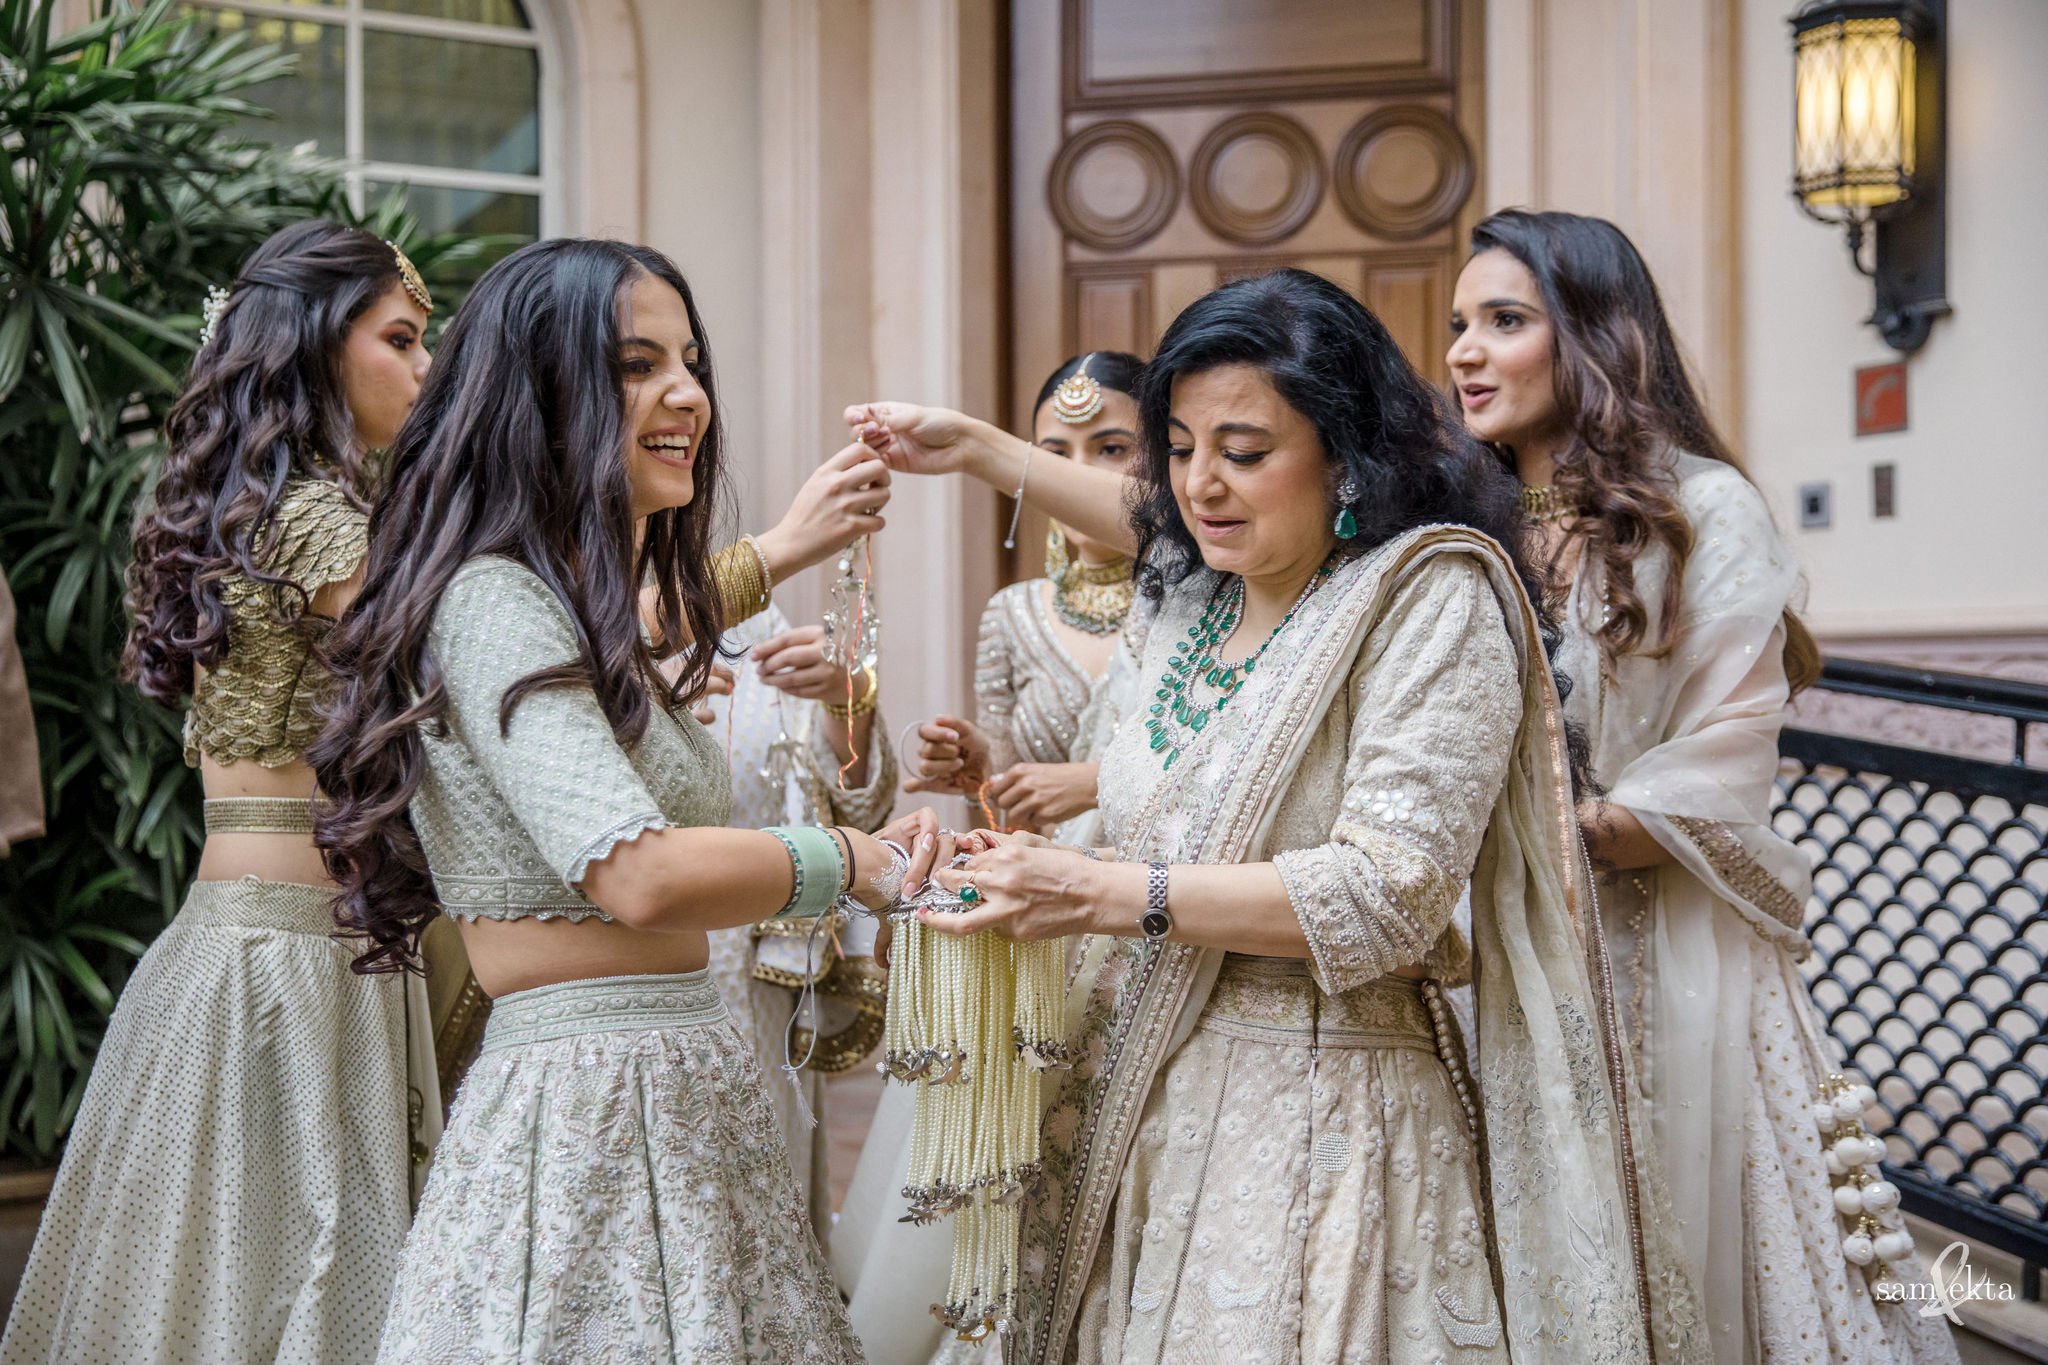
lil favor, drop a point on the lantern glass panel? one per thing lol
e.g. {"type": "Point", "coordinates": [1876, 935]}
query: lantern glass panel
{"type": "Point", "coordinates": [1853, 87]}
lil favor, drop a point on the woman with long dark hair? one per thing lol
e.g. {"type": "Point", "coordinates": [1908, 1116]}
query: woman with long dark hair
{"type": "Point", "coordinates": [502, 746]}
{"type": "Point", "coordinates": [236, 1186]}
{"type": "Point", "coordinates": [1675, 594]}
{"type": "Point", "coordinates": [1269, 1145]}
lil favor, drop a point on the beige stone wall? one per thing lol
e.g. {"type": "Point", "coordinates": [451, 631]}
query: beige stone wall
{"type": "Point", "coordinates": [1965, 555]}
{"type": "Point", "coordinates": [824, 173]}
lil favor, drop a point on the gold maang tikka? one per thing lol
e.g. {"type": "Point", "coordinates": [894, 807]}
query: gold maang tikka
{"type": "Point", "coordinates": [1079, 397]}
{"type": "Point", "coordinates": [409, 276]}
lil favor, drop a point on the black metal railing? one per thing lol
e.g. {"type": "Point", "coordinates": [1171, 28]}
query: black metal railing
{"type": "Point", "coordinates": [1930, 938]}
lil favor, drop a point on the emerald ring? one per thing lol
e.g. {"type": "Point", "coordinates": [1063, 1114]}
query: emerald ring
{"type": "Point", "coordinates": [969, 894]}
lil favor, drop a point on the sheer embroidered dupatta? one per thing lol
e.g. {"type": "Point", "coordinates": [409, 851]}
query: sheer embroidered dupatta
{"type": "Point", "coordinates": [1566, 1221]}
{"type": "Point", "coordinates": [1688, 743]}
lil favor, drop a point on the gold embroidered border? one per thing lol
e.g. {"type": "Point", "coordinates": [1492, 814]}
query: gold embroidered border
{"type": "Point", "coordinates": [460, 1037]}
{"type": "Point", "coordinates": [1726, 855]}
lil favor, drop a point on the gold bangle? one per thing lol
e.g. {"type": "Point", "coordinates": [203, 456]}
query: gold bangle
{"type": "Point", "coordinates": [860, 706]}
{"type": "Point", "coordinates": [767, 570]}
{"type": "Point", "coordinates": [740, 571]}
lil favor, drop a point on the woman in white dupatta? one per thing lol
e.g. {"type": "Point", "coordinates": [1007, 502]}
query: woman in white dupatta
{"type": "Point", "coordinates": [1269, 1148]}
{"type": "Point", "coordinates": [1675, 594]}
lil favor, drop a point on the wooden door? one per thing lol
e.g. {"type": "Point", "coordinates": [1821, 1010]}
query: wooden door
{"type": "Point", "coordinates": [1161, 147]}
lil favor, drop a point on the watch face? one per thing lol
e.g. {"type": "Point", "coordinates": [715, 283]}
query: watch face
{"type": "Point", "coordinates": [1155, 923]}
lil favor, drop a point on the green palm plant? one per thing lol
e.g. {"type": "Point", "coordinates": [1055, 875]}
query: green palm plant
{"type": "Point", "coordinates": [126, 191]}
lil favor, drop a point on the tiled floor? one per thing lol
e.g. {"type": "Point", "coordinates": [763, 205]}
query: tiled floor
{"type": "Point", "coordinates": [849, 1105]}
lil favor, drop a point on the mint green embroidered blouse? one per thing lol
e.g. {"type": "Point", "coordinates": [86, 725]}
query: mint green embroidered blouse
{"type": "Point", "coordinates": [511, 819]}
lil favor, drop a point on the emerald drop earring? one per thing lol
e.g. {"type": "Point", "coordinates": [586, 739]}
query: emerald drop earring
{"type": "Point", "coordinates": [1346, 527]}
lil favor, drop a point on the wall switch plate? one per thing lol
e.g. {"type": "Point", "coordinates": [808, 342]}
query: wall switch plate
{"type": "Point", "coordinates": [1884, 484]}
{"type": "Point", "coordinates": [1816, 505]}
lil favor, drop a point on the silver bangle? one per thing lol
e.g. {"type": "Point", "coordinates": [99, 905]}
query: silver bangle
{"type": "Point", "coordinates": [1017, 512]}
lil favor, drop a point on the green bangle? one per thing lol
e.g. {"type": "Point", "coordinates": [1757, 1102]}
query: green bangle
{"type": "Point", "coordinates": [818, 868]}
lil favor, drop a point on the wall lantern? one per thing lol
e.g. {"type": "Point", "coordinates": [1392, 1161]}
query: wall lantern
{"type": "Point", "coordinates": [1867, 148]}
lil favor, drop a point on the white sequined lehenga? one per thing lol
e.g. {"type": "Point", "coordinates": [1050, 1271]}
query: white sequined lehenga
{"type": "Point", "coordinates": [1729, 1047]}
{"type": "Point", "coordinates": [760, 969]}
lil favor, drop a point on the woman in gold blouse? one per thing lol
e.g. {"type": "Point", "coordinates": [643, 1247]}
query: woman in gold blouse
{"type": "Point", "coordinates": [236, 1184]}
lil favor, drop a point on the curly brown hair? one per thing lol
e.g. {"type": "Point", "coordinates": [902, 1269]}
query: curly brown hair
{"type": "Point", "coordinates": [1627, 400]}
{"type": "Point", "coordinates": [264, 404]}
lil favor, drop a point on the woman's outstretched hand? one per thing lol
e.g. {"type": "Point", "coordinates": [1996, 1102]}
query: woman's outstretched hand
{"type": "Point", "coordinates": [841, 502]}
{"type": "Point", "coordinates": [1034, 795]}
{"type": "Point", "coordinates": [914, 439]}
{"type": "Point", "coordinates": [795, 663]}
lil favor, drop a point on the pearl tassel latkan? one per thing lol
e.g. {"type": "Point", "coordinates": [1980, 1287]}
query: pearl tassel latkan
{"type": "Point", "coordinates": [974, 1023]}
{"type": "Point", "coordinates": [1867, 1202]}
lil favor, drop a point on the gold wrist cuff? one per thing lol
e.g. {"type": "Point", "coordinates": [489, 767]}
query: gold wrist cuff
{"type": "Point", "coordinates": [862, 705]}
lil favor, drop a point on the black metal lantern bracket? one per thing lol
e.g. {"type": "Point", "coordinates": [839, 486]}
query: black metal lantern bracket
{"type": "Point", "coordinates": [1909, 255]}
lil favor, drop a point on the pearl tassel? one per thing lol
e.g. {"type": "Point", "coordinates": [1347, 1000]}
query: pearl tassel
{"type": "Point", "coordinates": [974, 1023]}
{"type": "Point", "coordinates": [1867, 1202]}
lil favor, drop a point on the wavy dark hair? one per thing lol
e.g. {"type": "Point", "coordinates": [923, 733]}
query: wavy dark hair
{"type": "Point", "coordinates": [1626, 399]}
{"type": "Point", "coordinates": [1117, 370]}
{"type": "Point", "coordinates": [264, 404]}
{"type": "Point", "coordinates": [515, 448]}
{"type": "Point", "coordinates": [1380, 423]}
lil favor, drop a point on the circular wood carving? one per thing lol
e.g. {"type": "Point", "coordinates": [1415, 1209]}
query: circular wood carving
{"type": "Point", "coordinates": [1256, 178]}
{"type": "Point", "coordinates": [1403, 172]}
{"type": "Point", "coordinates": [1113, 185]}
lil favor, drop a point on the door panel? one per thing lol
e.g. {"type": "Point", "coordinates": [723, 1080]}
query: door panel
{"type": "Point", "coordinates": [1160, 147]}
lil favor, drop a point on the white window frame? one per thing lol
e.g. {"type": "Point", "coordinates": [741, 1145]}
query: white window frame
{"type": "Point", "coordinates": [354, 19]}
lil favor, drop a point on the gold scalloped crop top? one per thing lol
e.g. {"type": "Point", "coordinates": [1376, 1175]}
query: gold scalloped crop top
{"type": "Point", "coordinates": [258, 702]}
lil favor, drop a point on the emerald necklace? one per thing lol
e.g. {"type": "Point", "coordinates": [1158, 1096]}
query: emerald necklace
{"type": "Point", "coordinates": [1177, 714]}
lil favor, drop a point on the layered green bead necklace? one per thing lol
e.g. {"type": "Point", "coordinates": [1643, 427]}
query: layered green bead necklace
{"type": "Point", "coordinates": [1176, 716]}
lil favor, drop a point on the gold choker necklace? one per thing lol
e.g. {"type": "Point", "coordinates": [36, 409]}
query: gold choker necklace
{"type": "Point", "coordinates": [1545, 503]}
{"type": "Point", "coordinates": [1093, 597]}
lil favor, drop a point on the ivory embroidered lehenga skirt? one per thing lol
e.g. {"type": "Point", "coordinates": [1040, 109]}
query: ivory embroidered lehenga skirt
{"type": "Point", "coordinates": [611, 1188]}
{"type": "Point", "coordinates": [1262, 1218]}
{"type": "Point", "coordinates": [236, 1188]}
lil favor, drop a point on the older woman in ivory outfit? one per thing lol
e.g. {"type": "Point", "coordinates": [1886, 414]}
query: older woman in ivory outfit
{"type": "Point", "coordinates": [1269, 1148]}
{"type": "Point", "coordinates": [1675, 594]}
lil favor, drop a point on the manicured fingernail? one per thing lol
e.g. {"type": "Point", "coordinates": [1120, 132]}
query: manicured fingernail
{"type": "Point", "coordinates": [927, 841]}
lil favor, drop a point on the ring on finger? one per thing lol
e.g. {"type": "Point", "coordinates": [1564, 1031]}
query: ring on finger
{"type": "Point", "coordinates": [970, 894]}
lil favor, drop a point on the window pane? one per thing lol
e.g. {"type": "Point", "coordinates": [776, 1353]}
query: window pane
{"type": "Point", "coordinates": [437, 102]}
{"type": "Point", "coordinates": [503, 13]}
{"type": "Point", "coordinates": [467, 213]}
{"type": "Point", "coordinates": [308, 103]}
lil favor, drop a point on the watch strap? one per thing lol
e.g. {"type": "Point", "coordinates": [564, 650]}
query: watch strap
{"type": "Point", "coordinates": [1157, 922]}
